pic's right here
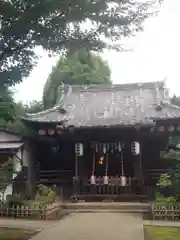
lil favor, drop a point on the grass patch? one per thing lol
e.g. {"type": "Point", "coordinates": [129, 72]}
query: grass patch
{"type": "Point", "coordinates": [161, 233]}
{"type": "Point", "coordinates": [16, 234]}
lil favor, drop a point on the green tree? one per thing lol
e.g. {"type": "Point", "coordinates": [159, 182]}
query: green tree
{"type": "Point", "coordinates": [10, 113]}
{"type": "Point", "coordinates": [6, 175]}
{"type": "Point", "coordinates": [173, 152]}
{"type": "Point", "coordinates": [7, 108]}
{"type": "Point", "coordinates": [172, 156]}
{"type": "Point", "coordinates": [34, 107]}
{"type": "Point", "coordinates": [59, 25]}
{"type": "Point", "coordinates": [78, 68]}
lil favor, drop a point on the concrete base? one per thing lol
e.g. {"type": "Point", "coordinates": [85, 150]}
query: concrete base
{"type": "Point", "coordinates": [123, 207]}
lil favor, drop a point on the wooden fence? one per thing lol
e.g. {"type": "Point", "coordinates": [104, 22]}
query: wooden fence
{"type": "Point", "coordinates": [165, 211]}
{"type": "Point", "coordinates": [35, 211]}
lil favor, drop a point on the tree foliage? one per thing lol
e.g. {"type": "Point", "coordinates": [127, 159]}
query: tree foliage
{"type": "Point", "coordinates": [173, 152]}
{"type": "Point", "coordinates": [7, 107]}
{"type": "Point", "coordinates": [61, 24]}
{"type": "Point", "coordinates": [34, 107]}
{"type": "Point", "coordinates": [6, 175]}
{"type": "Point", "coordinates": [78, 68]}
{"type": "Point", "coordinates": [10, 113]}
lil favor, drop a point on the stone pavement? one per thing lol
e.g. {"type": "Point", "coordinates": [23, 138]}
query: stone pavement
{"type": "Point", "coordinates": [26, 224]}
{"type": "Point", "coordinates": [101, 226]}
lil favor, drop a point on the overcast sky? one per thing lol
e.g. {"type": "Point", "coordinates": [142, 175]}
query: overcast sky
{"type": "Point", "coordinates": [155, 56]}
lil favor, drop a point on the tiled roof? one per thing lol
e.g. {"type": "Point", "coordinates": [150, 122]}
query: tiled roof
{"type": "Point", "coordinates": [102, 105]}
{"type": "Point", "coordinates": [11, 145]}
{"type": "Point", "coordinates": [8, 137]}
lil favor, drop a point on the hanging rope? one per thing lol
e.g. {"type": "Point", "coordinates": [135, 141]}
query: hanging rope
{"type": "Point", "coordinates": [106, 171]}
{"type": "Point", "coordinates": [106, 148]}
{"type": "Point", "coordinates": [106, 168]}
{"type": "Point", "coordinates": [122, 161]}
{"type": "Point", "coordinates": [123, 178]}
{"type": "Point", "coordinates": [94, 162]}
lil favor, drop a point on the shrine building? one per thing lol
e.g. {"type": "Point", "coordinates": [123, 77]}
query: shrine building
{"type": "Point", "coordinates": [103, 140]}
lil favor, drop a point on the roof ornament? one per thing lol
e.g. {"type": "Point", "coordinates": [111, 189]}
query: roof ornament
{"type": "Point", "coordinates": [60, 94]}
{"type": "Point", "coordinates": [159, 106]}
{"type": "Point", "coordinates": [69, 89]}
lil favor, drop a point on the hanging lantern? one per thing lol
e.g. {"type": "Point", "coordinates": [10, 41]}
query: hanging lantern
{"type": "Point", "coordinates": [104, 148]}
{"type": "Point", "coordinates": [93, 180]}
{"type": "Point", "coordinates": [135, 148]}
{"type": "Point", "coordinates": [42, 132]}
{"type": "Point", "coordinates": [51, 132]}
{"type": "Point", "coordinates": [106, 180]}
{"type": "Point", "coordinates": [79, 149]}
{"type": "Point", "coordinates": [123, 181]}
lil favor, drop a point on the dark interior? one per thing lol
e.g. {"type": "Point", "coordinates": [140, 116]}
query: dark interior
{"type": "Point", "coordinates": [57, 156]}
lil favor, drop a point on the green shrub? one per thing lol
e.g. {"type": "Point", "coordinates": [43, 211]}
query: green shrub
{"type": "Point", "coordinates": [164, 180]}
{"type": "Point", "coordinates": [160, 198]}
{"type": "Point", "coordinates": [14, 200]}
{"type": "Point", "coordinates": [171, 200]}
{"type": "Point", "coordinates": [45, 194]}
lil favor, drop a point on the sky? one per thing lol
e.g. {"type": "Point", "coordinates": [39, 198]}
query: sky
{"type": "Point", "coordinates": [154, 57]}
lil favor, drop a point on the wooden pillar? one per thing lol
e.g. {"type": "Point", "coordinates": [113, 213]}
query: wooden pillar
{"type": "Point", "coordinates": [139, 173]}
{"type": "Point", "coordinates": [76, 179]}
{"type": "Point", "coordinates": [32, 171]}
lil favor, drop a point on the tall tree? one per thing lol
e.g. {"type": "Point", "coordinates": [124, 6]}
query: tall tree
{"type": "Point", "coordinates": [7, 107]}
{"type": "Point", "coordinates": [10, 113]}
{"type": "Point", "coordinates": [78, 68]}
{"type": "Point", "coordinates": [61, 24]}
{"type": "Point", "coordinates": [34, 107]}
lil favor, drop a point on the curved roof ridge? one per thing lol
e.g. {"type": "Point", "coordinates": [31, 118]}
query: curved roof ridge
{"type": "Point", "coordinates": [169, 104]}
{"type": "Point", "coordinates": [41, 113]}
{"type": "Point", "coordinates": [112, 87]}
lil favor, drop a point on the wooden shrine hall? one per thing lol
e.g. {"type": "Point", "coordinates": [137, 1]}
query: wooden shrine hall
{"type": "Point", "coordinates": [104, 140]}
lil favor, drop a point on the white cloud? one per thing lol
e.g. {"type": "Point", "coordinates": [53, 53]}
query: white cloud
{"type": "Point", "coordinates": [154, 57]}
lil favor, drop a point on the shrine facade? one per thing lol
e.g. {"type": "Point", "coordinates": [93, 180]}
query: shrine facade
{"type": "Point", "coordinates": [104, 140]}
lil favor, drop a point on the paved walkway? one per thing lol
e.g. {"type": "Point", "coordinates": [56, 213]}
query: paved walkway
{"type": "Point", "coordinates": [26, 224]}
{"type": "Point", "coordinates": [101, 226]}
{"type": "Point", "coordinates": [88, 226]}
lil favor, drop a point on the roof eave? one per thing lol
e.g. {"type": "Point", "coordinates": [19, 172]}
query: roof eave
{"type": "Point", "coordinates": [29, 120]}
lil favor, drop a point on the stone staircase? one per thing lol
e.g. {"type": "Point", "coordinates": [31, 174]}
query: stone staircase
{"type": "Point", "coordinates": [118, 207]}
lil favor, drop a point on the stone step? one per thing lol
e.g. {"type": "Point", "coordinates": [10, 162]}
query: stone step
{"type": "Point", "coordinates": [134, 211]}
{"type": "Point", "coordinates": [107, 206]}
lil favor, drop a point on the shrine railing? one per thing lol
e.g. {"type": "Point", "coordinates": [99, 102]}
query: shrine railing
{"type": "Point", "coordinates": [114, 187]}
